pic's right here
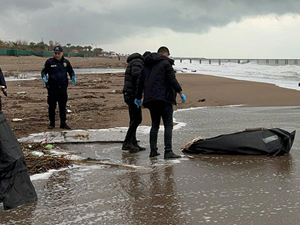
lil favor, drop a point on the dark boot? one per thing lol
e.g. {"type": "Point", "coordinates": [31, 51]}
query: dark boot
{"type": "Point", "coordinates": [65, 126]}
{"type": "Point", "coordinates": [154, 153]}
{"type": "Point", "coordinates": [127, 145]}
{"type": "Point", "coordinates": [135, 143]}
{"type": "Point", "coordinates": [171, 155]}
{"type": "Point", "coordinates": [51, 126]}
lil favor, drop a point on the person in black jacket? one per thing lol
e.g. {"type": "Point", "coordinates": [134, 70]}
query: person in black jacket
{"type": "Point", "coordinates": [133, 70]}
{"type": "Point", "coordinates": [160, 87]}
{"type": "Point", "coordinates": [2, 87]}
{"type": "Point", "coordinates": [57, 83]}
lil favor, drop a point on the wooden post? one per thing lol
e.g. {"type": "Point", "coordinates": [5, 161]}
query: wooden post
{"type": "Point", "coordinates": [190, 60]}
{"type": "Point", "coordinates": [200, 61]}
{"type": "Point", "coordinates": [209, 61]}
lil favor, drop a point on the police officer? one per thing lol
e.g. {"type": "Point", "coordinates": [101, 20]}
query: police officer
{"type": "Point", "coordinates": [2, 87]}
{"type": "Point", "coordinates": [54, 74]}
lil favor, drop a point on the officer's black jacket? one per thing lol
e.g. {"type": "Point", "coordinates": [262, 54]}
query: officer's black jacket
{"type": "Point", "coordinates": [157, 80]}
{"type": "Point", "coordinates": [57, 72]}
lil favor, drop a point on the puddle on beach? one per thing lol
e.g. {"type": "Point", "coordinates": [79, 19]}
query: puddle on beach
{"type": "Point", "coordinates": [33, 75]}
{"type": "Point", "coordinates": [196, 189]}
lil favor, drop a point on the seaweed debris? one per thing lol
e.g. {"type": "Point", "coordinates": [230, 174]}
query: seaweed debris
{"type": "Point", "coordinates": [44, 162]}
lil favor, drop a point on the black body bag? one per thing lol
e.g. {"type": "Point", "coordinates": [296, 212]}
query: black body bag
{"type": "Point", "coordinates": [15, 184]}
{"type": "Point", "coordinates": [260, 141]}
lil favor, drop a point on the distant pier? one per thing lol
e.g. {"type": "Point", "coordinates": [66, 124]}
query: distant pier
{"type": "Point", "coordinates": [241, 61]}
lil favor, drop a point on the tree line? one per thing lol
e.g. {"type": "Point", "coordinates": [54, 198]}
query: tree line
{"type": "Point", "coordinates": [42, 46]}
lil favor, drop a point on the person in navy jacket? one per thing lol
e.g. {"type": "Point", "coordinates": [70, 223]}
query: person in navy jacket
{"type": "Point", "coordinates": [54, 74]}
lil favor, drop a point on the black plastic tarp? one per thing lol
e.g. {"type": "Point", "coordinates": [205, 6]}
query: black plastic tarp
{"type": "Point", "coordinates": [249, 142]}
{"type": "Point", "coordinates": [15, 184]}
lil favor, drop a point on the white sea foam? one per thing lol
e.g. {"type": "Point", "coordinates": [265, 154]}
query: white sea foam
{"type": "Point", "coordinates": [44, 176]}
{"type": "Point", "coordinates": [286, 76]}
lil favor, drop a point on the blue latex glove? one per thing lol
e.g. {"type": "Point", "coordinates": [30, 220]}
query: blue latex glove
{"type": "Point", "coordinates": [138, 102]}
{"type": "Point", "coordinates": [74, 80]}
{"type": "Point", "coordinates": [45, 79]}
{"type": "Point", "coordinates": [183, 98]}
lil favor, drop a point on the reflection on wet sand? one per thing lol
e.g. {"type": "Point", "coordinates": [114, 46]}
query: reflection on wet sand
{"type": "Point", "coordinates": [154, 198]}
{"type": "Point", "coordinates": [200, 189]}
{"type": "Point", "coordinates": [241, 188]}
{"type": "Point", "coordinates": [59, 189]}
{"type": "Point", "coordinates": [280, 164]}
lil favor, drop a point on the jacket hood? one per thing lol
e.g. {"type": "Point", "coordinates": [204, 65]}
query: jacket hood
{"type": "Point", "coordinates": [135, 56]}
{"type": "Point", "coordinates": [154, 58]}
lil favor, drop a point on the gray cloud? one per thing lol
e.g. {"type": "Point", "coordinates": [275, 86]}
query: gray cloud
{"type": "Point", "coordinates": [84, 22]}
{"type": "Point", "coordinates": [25, 5]}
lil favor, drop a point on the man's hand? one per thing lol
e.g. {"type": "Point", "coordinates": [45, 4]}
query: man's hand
{"type": "Point", "coordinates": [45, 79]}
{"type": "Point", "coordinates": [138, 102]}
{"type": "Point", "coordinates": [74, 80]}
{"type": "Point", "coordinates": [183, 98]}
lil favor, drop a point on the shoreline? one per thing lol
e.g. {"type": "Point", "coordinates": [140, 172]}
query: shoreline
{"type": "Point", "coordinates": [98, 97]}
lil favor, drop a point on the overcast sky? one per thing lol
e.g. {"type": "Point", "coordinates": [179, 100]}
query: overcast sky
{"type": "Point", "coordinates": [190, 28]}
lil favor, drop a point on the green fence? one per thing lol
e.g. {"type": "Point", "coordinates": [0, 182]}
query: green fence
{"type": "Point", "coordinates": [3, 51]}
{"type": "Point", "coordinates": [14, 52]}
{"type": "Point", "coordinates": [42, 53]}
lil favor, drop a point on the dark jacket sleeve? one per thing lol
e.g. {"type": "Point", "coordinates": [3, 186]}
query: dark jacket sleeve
{"type": "Point", "coordinates": [45, 69]}
{"type": "Point", "coordinates": [70, 69]}
{"type": "Point", "coordinates": [136, 69]}
{"type": "Point", "coordinates": [132, 72]}
{"type": "Point", "coordinates": [171, 78]}
{"type": "Point", "coordinates": [140, 84]}
{"type": "Point", "coordinates": [2, 80]}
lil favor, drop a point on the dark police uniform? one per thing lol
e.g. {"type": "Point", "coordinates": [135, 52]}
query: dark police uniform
{"type": "Point", "coordinates": [2, 83]}
{"type": "Point", "coordinates": [57, 87]}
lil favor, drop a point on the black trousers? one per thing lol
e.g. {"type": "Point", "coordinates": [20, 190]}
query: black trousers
{"type": "Point", "coordinates": [161, 110]}
{"type": "Point", "coordinates": [135, 118]}
{"type": "Point", "coordinates": [60, 96]}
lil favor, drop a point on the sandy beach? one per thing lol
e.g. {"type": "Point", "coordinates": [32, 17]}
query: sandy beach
{"type": "Point", "coordinates": [96, 101]}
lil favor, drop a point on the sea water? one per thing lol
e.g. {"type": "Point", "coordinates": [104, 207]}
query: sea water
{"type": "Point", "coordinates": [286, 76]}
{"type": "Point", "coordinates": [34, 75]}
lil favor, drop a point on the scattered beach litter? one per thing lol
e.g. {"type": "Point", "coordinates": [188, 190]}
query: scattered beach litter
{"type": "Point", "coordinates": [16, 119]}
{"type": "Point", "coordinates": [40, 158]}
{"type": "Point", "coordinates": [21, 93]}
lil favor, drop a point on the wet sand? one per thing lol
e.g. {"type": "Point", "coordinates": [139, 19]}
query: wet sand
{"type": "Point", "coordinates": [218, 91]}
{"type": "Point", "coordinates": [196, 189]}
{"type": "Point", "coordinates": [192, 190]}
{"type": "Point", "coordinates": [98, 97]}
